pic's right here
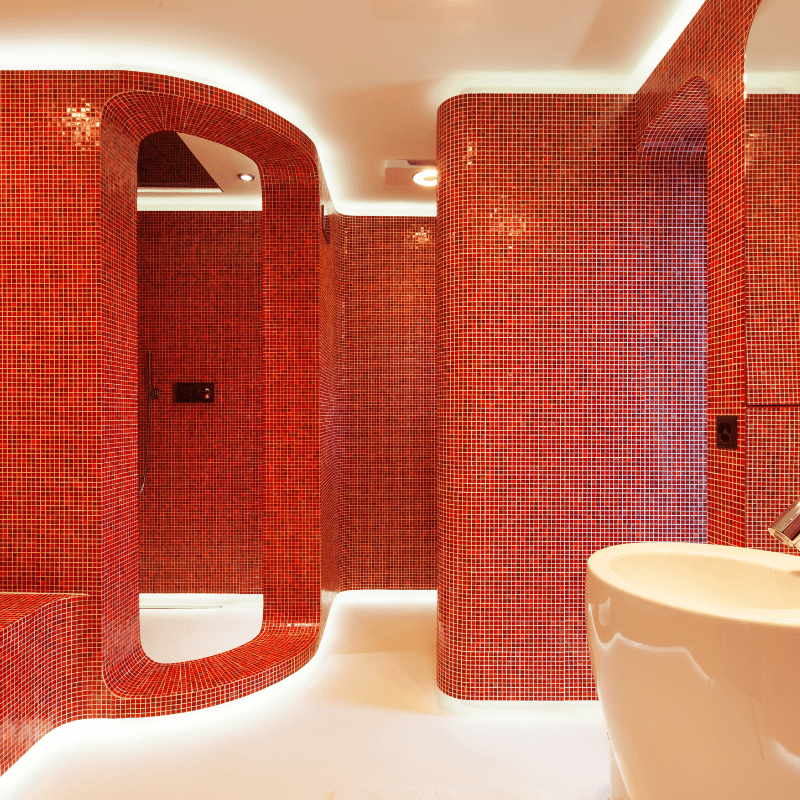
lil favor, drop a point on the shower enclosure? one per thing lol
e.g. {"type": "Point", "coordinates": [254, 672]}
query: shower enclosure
{"type": "Point", "coordinates": [200, 398]}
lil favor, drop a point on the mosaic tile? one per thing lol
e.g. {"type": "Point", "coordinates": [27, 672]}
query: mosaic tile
{"type": "Point", "coordinates": [571, 369]}
{"type": "Point", "coordinates": [387, 402]}
{"type": "Point", "coordinates": [200, 318]}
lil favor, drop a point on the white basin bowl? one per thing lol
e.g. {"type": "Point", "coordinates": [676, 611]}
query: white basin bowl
{"type": "Point", "coordinates": [696, 653]}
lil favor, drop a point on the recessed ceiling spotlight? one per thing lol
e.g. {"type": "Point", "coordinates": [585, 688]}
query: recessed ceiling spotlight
{"type": "Point", "coordinates": [427, 177]}
{"type": "Point", "coordinates": [246, 176]}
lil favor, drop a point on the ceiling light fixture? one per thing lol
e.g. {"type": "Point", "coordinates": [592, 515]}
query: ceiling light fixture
{"type": "Point", "coordinates": [246, 176]}
{"type": "Point", "coordinates": [427, 177]}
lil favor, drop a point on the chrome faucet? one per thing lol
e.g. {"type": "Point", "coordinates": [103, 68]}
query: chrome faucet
{"type": "Point", "coordinates": [787, 528]}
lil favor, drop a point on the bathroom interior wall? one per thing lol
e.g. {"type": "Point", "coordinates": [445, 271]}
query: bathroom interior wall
{"type": "Point", "coordinates": [199, 306]}
{"type": "Point", "coordinates": [387, 402]}
{"type": "Point", "coordinates": [671, 298]}
{"type": "Point", "coordinates": [492, 644]}
{"type": "Point", "coordinates": [712, 47]}
{"type": "Point", "coordinates": [772, 202]}
{"type": "Point", "coordinates": [538, 427]}
{"type": "Point", "coordinates": [130, 683]}
{"type": "Point", "coordinates": [41, 636]}
{"type": "Point", "coordinates": [51, 256]}
{"type": "Point", "coordinates": [51, 307]}
{"type": "Point", "coordinates": [69, 477]}
{"type": "Point", "coordinates": [200, 515]}
{"type": "Point", "coordinates": [331, 433]}
{"type": "Point", "coordinates": [571, 378]}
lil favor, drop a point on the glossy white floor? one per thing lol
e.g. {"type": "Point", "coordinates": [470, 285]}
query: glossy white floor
{"type": "Point", "coordinates": [363, 721]}
{"type": "Point", "coordinates": [182, 627]}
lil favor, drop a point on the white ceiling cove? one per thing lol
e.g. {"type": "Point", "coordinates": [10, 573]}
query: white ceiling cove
{"type": "Point", "coordinates": [773, 49]}
{"type": "Point", "coordinates": [362, 78]}
{"type": "Point", "coordinates": [223, 164]}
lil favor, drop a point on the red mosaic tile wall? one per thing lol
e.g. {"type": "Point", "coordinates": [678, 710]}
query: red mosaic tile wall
{"type": "Point", "coordinates": [40, 653]}
{"type": "Point", "coordinates": [491, 645]}
{"type": "Point", "coordinates": [387, 402]}
{"type": "Point", "coordinates": [331, 430]}
{"type": "Point", "coordinates": [560, 407]}
{"type": "Point", "coordinates": [671, 278]}
{"type": "Point", "coordinates": [69, 486]}
{"type": "Point", "coordinates": [773, 471]}
{"type": "Point", "coordinates": [200, 316]}
{"type": "Point", "coordinates": [712, 48]}
{"type": "Point", "coordinates": [772, 193]}
{"type": "Point", "coordinates": [772, 208]}
{"type": "Point", "coordinates": [69, 483]}
{"type": "Point", "coordinates": [291, 435]}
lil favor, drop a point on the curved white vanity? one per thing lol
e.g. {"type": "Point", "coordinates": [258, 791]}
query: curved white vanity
{"type": "Point", "coordinates": [696, 654]}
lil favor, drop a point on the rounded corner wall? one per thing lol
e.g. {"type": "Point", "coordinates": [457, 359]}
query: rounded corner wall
{"type": "Point", "coordinates": [290, 516]}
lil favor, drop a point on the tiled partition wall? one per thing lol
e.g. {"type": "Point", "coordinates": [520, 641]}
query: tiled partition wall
{"type": "Point", "coordinates": [772, 203]}
{"type": "Point", "coordinates": [562, 407]}
{"type": "Point", "coordinates": [387, 402]}
{"type": "Point", "coordinates": [514, 419]}
{"type": "Point", "coordinates": [377, 403]}
{"type": "Point", "coordinates": [41, 639]}
{"type": "Point", "coordinates": [712, 48]}
{"type": "Point", "coordinates": [331, 434]}
{"type": "Point", "coordinates": [670, 292]}
{"type": "Point", "coordinates": [289, 335]}
{"type": "Point", "coordinates": [200, 318]}
{"type": "Point", "coordinates": [69, 372]}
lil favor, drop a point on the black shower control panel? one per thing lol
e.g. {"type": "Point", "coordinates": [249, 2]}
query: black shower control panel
{"type": "Point", "coordinates": [194, 392]}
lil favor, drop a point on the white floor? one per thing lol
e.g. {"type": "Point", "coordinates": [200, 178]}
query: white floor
{"type": "Point", "coordinates": [363, 721]}
{"type": "Point", "coordinates": [182, 627]}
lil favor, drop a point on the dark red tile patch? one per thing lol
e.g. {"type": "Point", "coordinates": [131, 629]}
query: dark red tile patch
{"type": "Point", "coordinates": [387, 402]}
{"type": "Point", "coordinates": [571, 370]}
{"type": "Point", "coordinates": [200, 317]}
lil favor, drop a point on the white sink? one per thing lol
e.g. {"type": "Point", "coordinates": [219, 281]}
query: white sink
{"type": "Point", "coordinates": [696, 653]}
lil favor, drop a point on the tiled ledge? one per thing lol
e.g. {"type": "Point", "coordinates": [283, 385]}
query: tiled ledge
{"type": "Point", "coordinates": [40, 673]}
{"type": "Point", "coordinates": [154, 689]}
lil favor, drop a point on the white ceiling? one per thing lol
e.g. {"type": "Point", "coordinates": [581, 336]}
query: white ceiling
{"type": "Point", "coordinates": [773, 48]}
{"type": "Point", "coordinates": [363, 78]}
{"type": "Point", "coordinates": [224, 165]}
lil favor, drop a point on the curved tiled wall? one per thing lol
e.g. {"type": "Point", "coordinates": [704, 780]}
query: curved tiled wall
{"type": "Point", "coordinates": [773, 335]}
{"type": "Point", "coordinates": [712, 47]}
{"type": "Point", "coordinates": [68, 221]}
{"type": "Point", "coordinates": [200, 318]}
{"type": "Point", "coordinates": [543, 452]}
{"type": "Point", "coordinates": [568, 420]}
{"type": "Point", "coordinates": [41, 639]}
{"type": "Point", "coordinates": [290, 516]}
{"type": "Point", "coordinates": [74, 523]}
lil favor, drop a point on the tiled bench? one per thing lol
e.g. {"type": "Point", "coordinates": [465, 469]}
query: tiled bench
{"type": "Point", "coordinates": [40, 672]}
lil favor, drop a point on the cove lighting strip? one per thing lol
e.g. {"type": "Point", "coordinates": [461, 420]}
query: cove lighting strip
{"type": "Point", "coordinates": [55, 53]}
{"type": "Point", "coordinates": [153, 190]}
